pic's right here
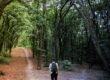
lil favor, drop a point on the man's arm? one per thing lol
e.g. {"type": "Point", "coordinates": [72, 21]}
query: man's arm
{"type": "Point", "coordinates": [50, 65]}
{"type": "Point", "coordinates": [57, 66]}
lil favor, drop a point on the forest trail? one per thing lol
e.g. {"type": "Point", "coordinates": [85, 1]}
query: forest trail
{"type": "Point", "coordinates": [23, 67]}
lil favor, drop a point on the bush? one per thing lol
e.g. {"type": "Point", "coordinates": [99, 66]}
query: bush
{"type": "Point", "coordinates": [5, 55]}
{"type": "Point", "coordinates": [4, 60]}
{"type": "Point", "coordinates": [66, 65]}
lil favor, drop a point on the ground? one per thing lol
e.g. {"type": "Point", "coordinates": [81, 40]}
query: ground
{"type": "Point", "coordinates": [23, 67]}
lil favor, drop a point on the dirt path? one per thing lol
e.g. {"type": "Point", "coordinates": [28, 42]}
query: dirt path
{"type": "Point", "coordinates": [16, 69]}
{"type": "Point", "coordinates": [23, 67]}
{"type": "Point", "coordinates": [78, 74]}
{"type": "Point", "coordinates": [29, 67]}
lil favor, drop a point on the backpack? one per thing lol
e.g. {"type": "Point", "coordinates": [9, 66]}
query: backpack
{"type": "Point", "coordinates": [54, 67]}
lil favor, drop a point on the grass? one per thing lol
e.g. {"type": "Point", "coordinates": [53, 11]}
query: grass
{"type": "Point", "coordinates": [4, 60]}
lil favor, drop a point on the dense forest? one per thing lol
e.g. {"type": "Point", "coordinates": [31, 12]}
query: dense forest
{"type": "Point", "coordinates": [73, 30]}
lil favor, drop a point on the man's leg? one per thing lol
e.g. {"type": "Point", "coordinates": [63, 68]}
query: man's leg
{"type": "Point", "coordinates": [52, 77]}
{"type": "Point", "coordinates": [56, 76]}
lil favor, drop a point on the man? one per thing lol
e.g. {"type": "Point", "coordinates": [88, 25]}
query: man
{"type": "Point", "coordinates": [53, 67]}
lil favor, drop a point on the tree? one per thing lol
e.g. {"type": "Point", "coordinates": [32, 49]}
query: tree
{"type": "Point", "coordinates": [88, 15]}
{"type": "Point", "coordinates": [3, 4]}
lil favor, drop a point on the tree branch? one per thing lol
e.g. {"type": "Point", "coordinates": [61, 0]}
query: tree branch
{"type": "Point", "coordinates": [3, 4]}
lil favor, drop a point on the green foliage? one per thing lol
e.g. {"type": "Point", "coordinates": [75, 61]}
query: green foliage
{"type": "Point", "coordinates": [6, 55]}
{"type": "Point", "coordinates": [4, 60]}
{"type": "Point", "coordinates": [52, 25]}
{"type": "Point", "coordinates": [17, 19]}
{"type": "Point", "coordinates": [66, 65]}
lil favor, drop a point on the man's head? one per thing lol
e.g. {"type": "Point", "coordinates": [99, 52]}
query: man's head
{"type": "Point", "coordinates": [53, 59]}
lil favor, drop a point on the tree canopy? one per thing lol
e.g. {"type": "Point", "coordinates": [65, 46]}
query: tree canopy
{"type": "Point", "coordinates": [65, 29]}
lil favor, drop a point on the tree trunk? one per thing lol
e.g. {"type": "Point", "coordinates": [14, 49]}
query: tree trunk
{"type": "Point", "coordinates": [86, 12]}
{"type": "Point", "coordinates": [3, 4]}
{"type": "Point", "coordinates": [97, 45]}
